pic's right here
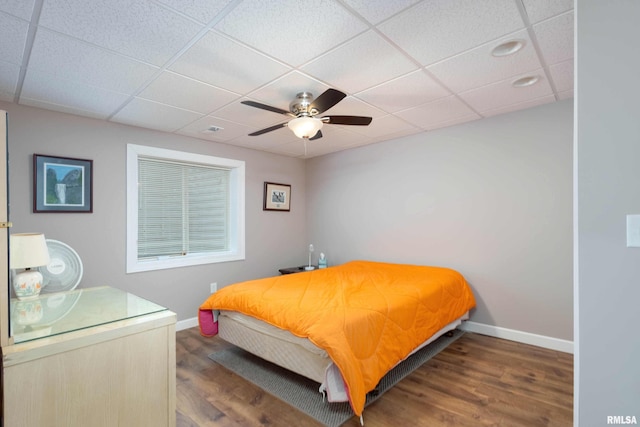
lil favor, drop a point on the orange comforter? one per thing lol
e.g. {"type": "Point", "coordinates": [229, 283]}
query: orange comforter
{"type": "Point", "coordinates": [366, 315]}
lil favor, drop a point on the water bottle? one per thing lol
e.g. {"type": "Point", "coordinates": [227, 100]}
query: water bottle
{"type": "Point", "coordinates": [322, 261]}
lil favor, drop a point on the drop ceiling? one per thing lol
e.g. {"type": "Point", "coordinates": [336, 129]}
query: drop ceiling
{"type": "Point", "coordinates": [184, 67]}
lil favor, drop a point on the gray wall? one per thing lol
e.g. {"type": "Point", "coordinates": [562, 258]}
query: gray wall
{"type": "Point", "coordinates": [274, 239]}
{"type": "Point", "coordinates": [490, 198]}
{"type": "Point", "coordinates": [608, 188]}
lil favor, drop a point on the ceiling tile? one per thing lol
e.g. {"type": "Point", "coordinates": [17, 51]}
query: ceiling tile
{"type": "Point", "coordinates": [404, 92]}
{"type": "Point", "coordinates": [555, 38]}
{"type": "Point", "coordinates": [20, 8]}
{"type": "Point", "coordinates": [146, 32]}
{"type": "Point", "coordinates": [9, 74]}
{"type": "Point", "coordinates": [71, 59]}
{"type": "Point", "coordinates": [384, 126]}
{"type": "Point", "coordinates": [13, 33]}
{"type": "Point", "coordinates": [438, 111]}
{"type": "Point", "coordinates": [282, 91]}
{"type": "Point", "coordinates": [562, 75]}
{"type": "Point", "coordinates": [375, 11]}
{"type": "Point", "coordinates": [453, 122]}
{"type": "Point", "coordinates": [267, 141]}
{"type": "Point", "coordinates": [520, 106]}
{"type": "Point", "coordinates": [46, 89]}
{"type": "Point", "coordinates": [434, 30]}
{"type": "Point", "coordinates": [220, 62]}
{"type": "Point", "coordinates": [292, 31]}
{"type": "Point", "coordinates": [567, 94]}
{"type": "Point", "coordinates": [252, 117]}
{"type": "Point", "coordinates": [366, 61]}
{"type": "Point", "coordinates": [201, 10]}
{"type": "Point", "coordinates": [478, 67]}
{"type": "Point", "coordinates": [502, 94]}
{"type": "Point", "coordinates": [398, 134]}
{"type": "Point", "coordinates": [183, 92]}
{"type": "Point", "coordinates": [153, 115]}
{"type": "Point", "coordinates": [229, 131]}
{"type": "Point", "coordinates": [184, 65]}
{"type": "Point", "coordinates": [60, 108]}
{"type": "Point", "coordinates": [351, 106]}
{"type": "Point", "coordinates": [342, 135]}
{"type": "Point", "coordinates": [538, 10]}
{"type": "Point", "coordinates": [335, 139]}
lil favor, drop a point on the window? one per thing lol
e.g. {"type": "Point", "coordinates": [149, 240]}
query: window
{"type": "Point", "coordinates": [182, 209]}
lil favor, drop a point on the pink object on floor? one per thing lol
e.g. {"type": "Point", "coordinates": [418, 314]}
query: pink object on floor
{"type": "Point", "coordinates": [208, 325]}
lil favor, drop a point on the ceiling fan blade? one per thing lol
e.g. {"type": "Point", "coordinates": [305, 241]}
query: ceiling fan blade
{"type": "Point", "coordinates": [347, 120]}
{"type": "Point", "coordinates": [326, 100]}
{"type": "Point", "coordinates": [267, 107]}
{"type": "Point", "coordinates": [318, 135]}
{"type": "Point", "coordinates": [269, 129]}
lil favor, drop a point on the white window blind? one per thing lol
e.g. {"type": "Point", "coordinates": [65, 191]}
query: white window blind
{"type": "Point", "coordinates": [182, 208]}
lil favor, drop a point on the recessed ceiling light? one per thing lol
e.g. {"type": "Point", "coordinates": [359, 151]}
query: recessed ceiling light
{"type": "Point", "coordinates": [507, 48]}
{"type": "Point", "coordinates": [525, 81]}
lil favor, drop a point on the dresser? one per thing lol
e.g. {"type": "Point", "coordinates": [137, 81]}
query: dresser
{"type": "Point", "coordinates": [89, 357]}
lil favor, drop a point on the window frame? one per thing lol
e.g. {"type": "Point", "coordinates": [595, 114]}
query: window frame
{"type": "Point", "coordinates": [236, 250]}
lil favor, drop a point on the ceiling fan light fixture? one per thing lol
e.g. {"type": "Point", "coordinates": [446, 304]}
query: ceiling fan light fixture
{"type": "Point", "coordinates": [305, 127]}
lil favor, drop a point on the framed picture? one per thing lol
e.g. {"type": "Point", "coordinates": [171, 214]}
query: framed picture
{"type": "Point", "coordinates": [62, 184]}
{"type": "Point", "coordinates": [277, 197]}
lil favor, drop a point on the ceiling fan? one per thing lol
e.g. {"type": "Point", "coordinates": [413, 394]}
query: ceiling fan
{"type": "Point", "coordinates": [304, 109]}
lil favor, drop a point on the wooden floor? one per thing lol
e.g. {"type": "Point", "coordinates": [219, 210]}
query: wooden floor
{"type": "Point", "coordinates": [476, 381]}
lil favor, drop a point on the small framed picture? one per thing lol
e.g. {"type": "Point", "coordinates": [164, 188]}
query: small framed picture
{"type": "Point", "coordinates": [62, 184]}
{"type": "Point", "coordinates": [277, 197]}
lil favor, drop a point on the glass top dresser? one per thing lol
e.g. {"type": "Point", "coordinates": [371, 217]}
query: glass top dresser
{"type": "Point", "coordinates": [59, 313]}
{"type": "Point", "coordinates": [91, 357]}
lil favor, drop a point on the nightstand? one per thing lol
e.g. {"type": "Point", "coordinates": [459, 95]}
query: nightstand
{"type": "Point", "coordinates": [291, 270]}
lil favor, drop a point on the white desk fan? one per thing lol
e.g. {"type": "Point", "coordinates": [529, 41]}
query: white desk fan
{"type": "Point", "coordinates": [64, 272]}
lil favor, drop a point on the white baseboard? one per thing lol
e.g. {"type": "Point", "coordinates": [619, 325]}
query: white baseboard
{"type": "Point", "coordinates": [519, 336]}
{"type": "Point", "coordinates": [186, 323]}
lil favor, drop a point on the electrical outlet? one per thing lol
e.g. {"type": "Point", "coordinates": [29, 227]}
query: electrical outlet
{"type": "Point", "coordinates": [213, 287]}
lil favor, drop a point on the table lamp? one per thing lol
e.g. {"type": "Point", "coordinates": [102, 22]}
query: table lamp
{"type": "Point", "coordinates": [310, 267]}
{"type": "Point", "coordinates": [27, 251]}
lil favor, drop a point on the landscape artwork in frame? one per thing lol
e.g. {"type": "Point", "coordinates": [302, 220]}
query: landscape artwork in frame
{"type": "Point", "coordinates": [277, 197]}
{"type": "Point", "coordinates": [62, 184]}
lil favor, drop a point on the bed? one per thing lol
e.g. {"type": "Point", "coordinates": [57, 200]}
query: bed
{"type": "Point", "coordinates": [344, 326]}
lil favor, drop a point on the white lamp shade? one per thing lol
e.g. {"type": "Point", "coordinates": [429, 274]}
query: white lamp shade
{"type": "Point", "coordinates": [305, 127]}
{"type": "Point", "coordinates": [28, 250]}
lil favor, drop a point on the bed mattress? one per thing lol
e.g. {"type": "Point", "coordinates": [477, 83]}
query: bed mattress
{"type": "Point", "coordinates": [274, 344]}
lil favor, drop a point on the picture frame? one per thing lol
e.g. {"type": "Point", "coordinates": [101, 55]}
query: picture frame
{"type": "Point", "coordinates": [62, 184]}
{"type": "Point", "coordinates": [277, 197]}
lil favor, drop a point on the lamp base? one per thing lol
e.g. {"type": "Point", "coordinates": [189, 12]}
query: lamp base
{"type": "Point", "coordinates": [27, 285]}
{"type": "Point", "coordinates": [309, 267]}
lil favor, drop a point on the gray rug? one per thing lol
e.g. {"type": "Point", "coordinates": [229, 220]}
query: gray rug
{"type": "Point", "coordinates": [303, 393]}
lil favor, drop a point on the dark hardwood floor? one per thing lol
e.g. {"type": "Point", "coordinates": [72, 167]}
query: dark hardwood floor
{"type": "Point", "coordinates": [476, 381]}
